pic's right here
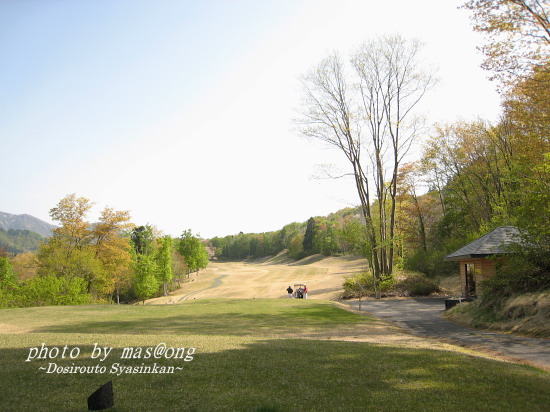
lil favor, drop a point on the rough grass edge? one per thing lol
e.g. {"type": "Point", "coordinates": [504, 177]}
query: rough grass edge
{"type": "Point", "coordinates": [525, 314]}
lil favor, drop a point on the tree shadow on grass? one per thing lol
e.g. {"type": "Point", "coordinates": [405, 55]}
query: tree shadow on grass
{"type": "Point", "coordinates": [308, 318]}
{"type": "Point", "coordinates": [236, 318]}
{"type": "Point", "coordinates": [283, 375]}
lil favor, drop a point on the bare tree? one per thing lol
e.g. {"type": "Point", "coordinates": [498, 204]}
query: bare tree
{"type": "Point", "coordinates": [368, 115]}
{"type": "Point", "coordinates": [391, 85]}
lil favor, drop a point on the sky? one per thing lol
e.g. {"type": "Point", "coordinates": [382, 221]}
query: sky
{"type": "Point", "coordinates": [182, 111]}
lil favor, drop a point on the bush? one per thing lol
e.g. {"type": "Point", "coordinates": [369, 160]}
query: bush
{"type": "Point", "coordinates": [53, 290]}
{"type": "Point", "coordinates": [416, 284]}
{"type": "Point", "coordinates": [525, 271]}
{"type": "Point", "coordinates": [410, 284]}
{"type": "Point", "coordinates": [362, 285]}
{"type": "Point", "coordinates": [7, 299]}
{"type": "Point", "coordinates": [429, 263]}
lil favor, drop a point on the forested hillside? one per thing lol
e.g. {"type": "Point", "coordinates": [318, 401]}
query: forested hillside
{"type": "Point", "coordinates": [19, 241]}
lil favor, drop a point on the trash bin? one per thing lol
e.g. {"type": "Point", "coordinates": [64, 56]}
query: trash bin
{"type": "Point", "coordinates": [452, 302]}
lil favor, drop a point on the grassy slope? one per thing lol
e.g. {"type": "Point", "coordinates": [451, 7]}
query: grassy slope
{"type": "Point", "coordinates": [272, 354]}
{"type": "Point", "coordinates": [527, 314]}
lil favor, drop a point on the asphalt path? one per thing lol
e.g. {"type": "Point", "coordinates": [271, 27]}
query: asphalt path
{"type": "Point", "coordinates": [424, 317]}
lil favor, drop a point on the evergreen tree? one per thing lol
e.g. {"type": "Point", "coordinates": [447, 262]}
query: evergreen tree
{"type": "Point", "coordinates": [309, 236]}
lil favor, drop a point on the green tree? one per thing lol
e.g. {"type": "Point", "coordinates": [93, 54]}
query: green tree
{"type": "Point", "coordinates": [143, 240]}
{"type": "Point", "coordinates": [163, 259]}
{"type": "Point", "coordinates": [81, 262]}
{"type": "Point", "coordinates": [193, 251]}
{"type": "Point", "coordinates": [7, 275]}
{"type": "Point", "coordinates": [146, 283]}
{"type": "Point", "coordinates": [352, 236]}
{"type": "Point", "coordinates": [8, 283]}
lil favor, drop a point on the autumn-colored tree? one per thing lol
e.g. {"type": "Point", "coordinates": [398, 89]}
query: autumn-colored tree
{"type": "Point", "coordinates": [412, 208]}
{"type": "Point", "coordinates": [518, 36]}
{"type": "Point", "coordinates": [25, 265]}
{"type": "Point", "coordinates": [468, 162]}
{"type": "Point", "coordinates": [67, 253]}
{"type": "Point", "coordinates": [296, 246]}
{"type": "Point", "coordinates": [98, 253]}
{"type": "Point", "coordinates": [73, 231]}
{"type": "Point", "coordinates": [112, 248]}
{"type": "Point", "coordinates": [527, 122]}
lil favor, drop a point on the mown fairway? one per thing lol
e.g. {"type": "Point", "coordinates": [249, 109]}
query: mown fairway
{"type": "Point", "coordinates": [252, 354]}
{"type": "Point", "coordinates": [269, 279]}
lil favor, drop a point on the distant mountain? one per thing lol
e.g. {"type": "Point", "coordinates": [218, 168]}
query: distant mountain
{"type": "Point", "coordinates": [25, 222]}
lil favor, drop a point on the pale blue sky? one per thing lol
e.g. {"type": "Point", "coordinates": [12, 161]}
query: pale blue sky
{"type": "Point", "coordinates": [181, 111]}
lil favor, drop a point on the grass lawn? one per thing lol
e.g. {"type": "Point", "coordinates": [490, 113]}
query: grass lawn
{"type": "Point", "coordinates": [250, 355]}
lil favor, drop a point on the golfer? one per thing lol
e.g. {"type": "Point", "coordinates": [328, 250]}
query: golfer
{"type": "Point", "coordinates": [305, 291]}
{"type": "Point", "coordinates": [289, 290]}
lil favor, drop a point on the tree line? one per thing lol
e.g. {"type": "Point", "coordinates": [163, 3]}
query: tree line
{"type": "Point", "coordinates": [337, 233]}
{"type": "Point", "coordinates": [111, 260]}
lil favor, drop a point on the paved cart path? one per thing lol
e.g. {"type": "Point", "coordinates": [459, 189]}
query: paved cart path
{"type": "Point", "coordinates": [424, 317]}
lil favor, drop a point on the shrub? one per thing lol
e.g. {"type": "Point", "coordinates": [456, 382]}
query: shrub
{"type": "Point", "coordinates": [416, 284]}
{"type": "Point", "coordinates": [410, 284]}
{"type": "Point", "coordinates": [53, 290]}
{"type": "Point", "coordinates": [525, 271]}
{"type": "Point", "coordinates": [430, 263]}
{"type": "Point", "coordinates": [362, 285]}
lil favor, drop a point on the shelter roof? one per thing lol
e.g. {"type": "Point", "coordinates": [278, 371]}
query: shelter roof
{"type": "Point", "coordinates": [490, 244]}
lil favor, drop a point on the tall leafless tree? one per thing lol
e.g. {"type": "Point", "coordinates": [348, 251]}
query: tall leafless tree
{"type": "Point", "coordinates": [368, 115]}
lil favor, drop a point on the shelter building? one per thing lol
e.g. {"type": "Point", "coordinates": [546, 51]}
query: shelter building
{"type": "Point", "coordinates": [474, 258]}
